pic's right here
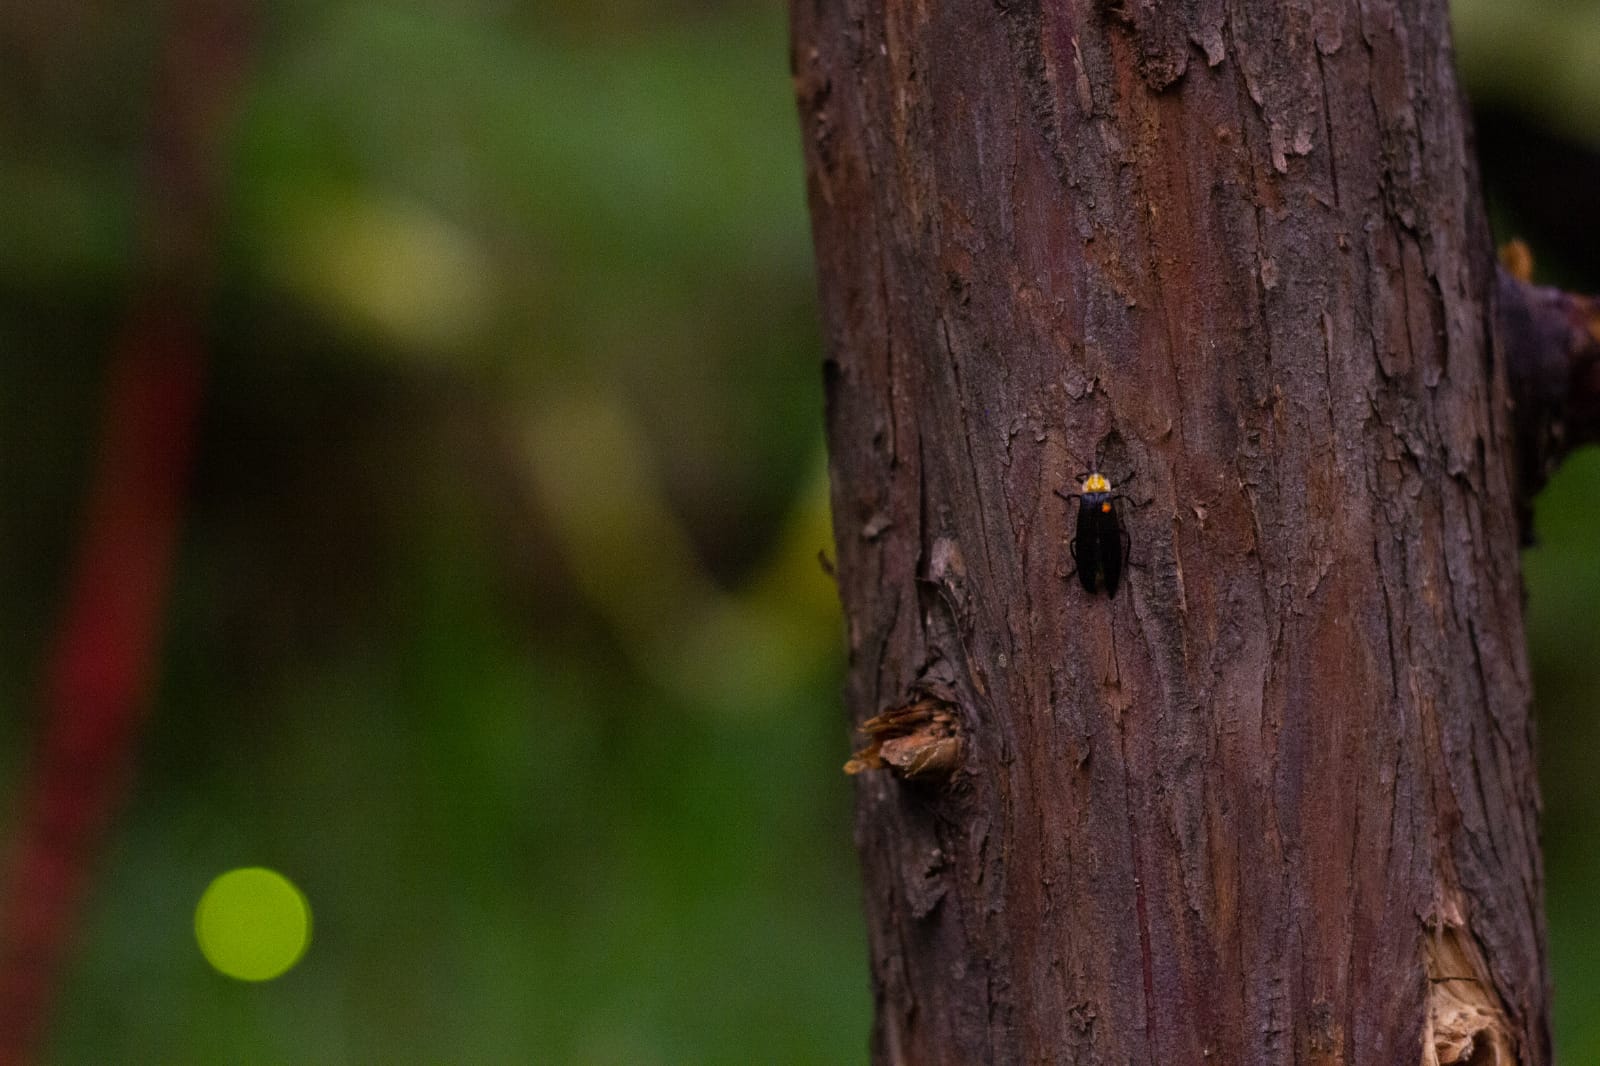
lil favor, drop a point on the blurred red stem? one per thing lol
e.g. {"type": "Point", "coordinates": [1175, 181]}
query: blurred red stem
{"type": "Point", "coordinates": [102, 662]}
{"type": "Point", "coordinates": [103, 657]}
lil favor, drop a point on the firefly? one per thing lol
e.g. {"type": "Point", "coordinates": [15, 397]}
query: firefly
{"type": "Point", "coordinates": [1100, 547]}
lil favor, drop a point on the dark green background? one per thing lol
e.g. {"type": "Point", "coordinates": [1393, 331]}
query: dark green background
{"type": "Point", "coordinates": [497, 623]}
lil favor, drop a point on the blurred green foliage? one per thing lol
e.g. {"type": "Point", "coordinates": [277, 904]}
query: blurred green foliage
{"type": "Point", "coordinates": [498, 625]}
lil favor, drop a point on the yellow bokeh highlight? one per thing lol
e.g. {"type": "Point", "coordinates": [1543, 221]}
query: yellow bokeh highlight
{"type": "Point", "coordinates": [252, 924]}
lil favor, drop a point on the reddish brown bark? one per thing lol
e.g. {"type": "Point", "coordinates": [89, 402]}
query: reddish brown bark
{"type": "Point", "coordinates": [1276, 802]}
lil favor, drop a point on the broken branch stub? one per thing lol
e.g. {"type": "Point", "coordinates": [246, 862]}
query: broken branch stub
{"type": "Point", "coordinates": [920, 741]}
{"type": "Point", "coordinates": [1551, 344]}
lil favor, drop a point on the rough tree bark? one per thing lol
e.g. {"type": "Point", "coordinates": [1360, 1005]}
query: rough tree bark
{"type": "Point", "coordinates": [1275, 802]}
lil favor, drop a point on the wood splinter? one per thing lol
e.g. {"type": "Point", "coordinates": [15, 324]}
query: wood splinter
{"type": "Point", "coordinates": [919, 741]}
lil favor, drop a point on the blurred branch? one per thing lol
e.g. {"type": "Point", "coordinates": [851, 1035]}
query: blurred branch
{"type": "Point", "coordinates": [103, 655]}
{"type": "Point", "coordinates": [711, 646]}
{"type": "Point", "coordinates": [1551, 341]}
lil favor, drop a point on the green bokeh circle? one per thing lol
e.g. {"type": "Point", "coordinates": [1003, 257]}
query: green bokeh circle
{"type": "Point", "coordinates": [252, 924]}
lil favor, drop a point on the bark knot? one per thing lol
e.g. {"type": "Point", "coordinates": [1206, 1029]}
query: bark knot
{"type": "Point", "coordinates": [921, 741]}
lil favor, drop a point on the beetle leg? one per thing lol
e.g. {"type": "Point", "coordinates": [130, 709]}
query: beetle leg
{"type": "Point", "coordinates": [1127, 551]}
{"type": "Point", "coordinates": [1072, 546]}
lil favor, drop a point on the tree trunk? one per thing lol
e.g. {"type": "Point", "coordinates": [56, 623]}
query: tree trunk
{"type": "Point", "coordinates": [1275, 802]}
